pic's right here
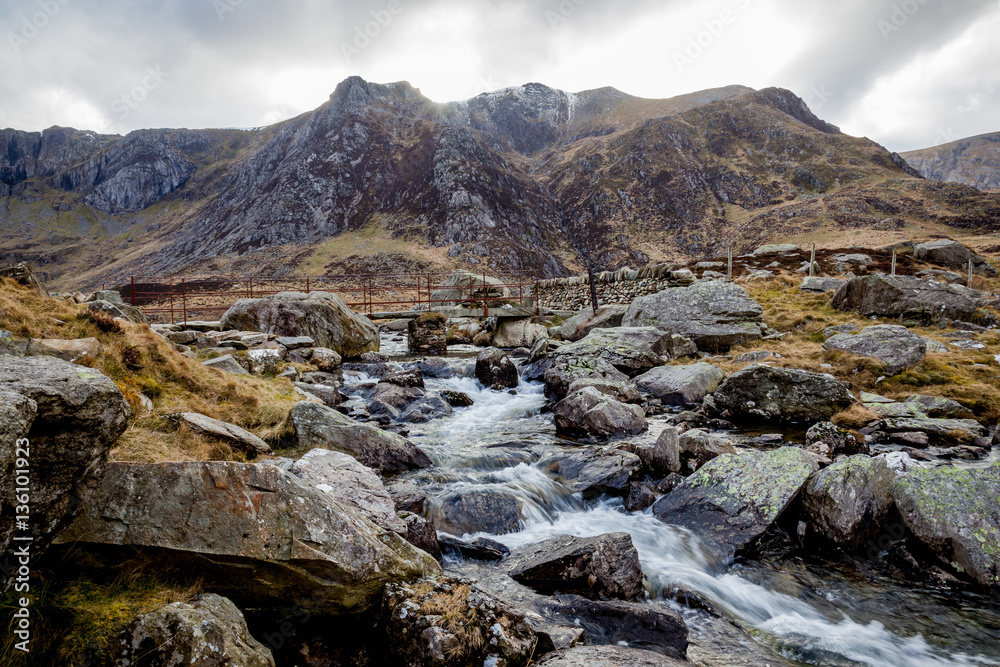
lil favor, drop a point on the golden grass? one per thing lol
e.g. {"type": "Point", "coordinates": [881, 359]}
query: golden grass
{"type": "Point", "coordinates": [139, 361]}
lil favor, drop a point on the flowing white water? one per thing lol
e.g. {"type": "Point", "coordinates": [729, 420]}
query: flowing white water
{"type": "Point", "coordinates": [497, 442]}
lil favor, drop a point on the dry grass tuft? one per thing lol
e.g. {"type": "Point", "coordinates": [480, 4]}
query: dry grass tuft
{"type": "Point", "coordinates": [855, 417]}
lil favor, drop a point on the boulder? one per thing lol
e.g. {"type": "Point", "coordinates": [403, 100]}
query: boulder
{"type": "Point", "coordinates": [493, 512]}
{"type": "Point", "coordinates": [264, 362]}
{"type": "Point", "coordinates": [68, 417]}
{"type": "Point", "coordinates": [406, 496]}
{"type": "Point", "coordinates": [328, 394]}
{"type": "Point", "coordinates": [427, 334]}
{"type": "Point", "coordinates": [733, 499]}
{"type": "Point", "coordinates": [830, 440]}
{"type": "Point", "coordinates": [208, 631]}
{"type": "Point", "coordinates": [253, 532]}
{"type": "Point", "coordinates": [229, 433]}
{"type": "Point", "coordinates": [561, 372]}
{"type": "Point", "coordinates": [954, 512]}
{"type": "Point", "coordinates": [620, 390]}
{"type": "Point", "coordinates": [465, 288]}
{"type": "Point", "coordinates": [518, 333]}
{"type": "Point", "coordinates": [631, 350]}
{"type": "Point", "coordinates": [581, 324]}
{"type": "Point", "coordinates": [325, 359]}
{"type": "Point", "coordinates": [602, 566]}
{"type": "Point", "coordinates": [457, 399]}
{"type": "Point", "coordinates": [421, 533]}
{"type": "Point", "coordinates": [429, 406]}
{"type": "Point", "coordinates": [391, 400]}
{"type": "Point", "coordinates": [495, 370]}
{"type": "Point", "coordinates": [939, 431]}
{"type": "Point", "coordinates": [760, 393]}
{"type": "Point", "coordinates": [715, 315]}
{"type": "Point", "coordinates": [818, 284]}
{"type": "Point", "coordinates": [895, 346]}
{"type": "Point", "coordinates": [22, 274]}
{"type": "Point", "coordinates": [349, 483]}
{"type": "Point", "coordinates": [295, 342]}
{"type": "Point", "coordinates": [388, 453]}
{"type": "Point", "coordinates": [829, 332]}
{"type": "Point", "coordinates": [590, 412]}
{"type": "Point", "coordinates": [481, 548]}
{"type": "Point", "coordinates": [916, 406]}
{"type": "Point", "coordinates": [539, 348]}
{"type": "Point", "coordinates": [774, 249]}
{"type": "Point", "coordinates": [412, 377]}
{"type": "Point", "coordinates": [608, 656]}
{"type": "Point", "coordinates": [857, 259]}
{"type": "Point", "coordinates": [227, 364]}
{"type": "Point", "coordinates": [596, 471]}
{"type": "Point", "coordinates": [68, 350]}
{"type": "Point", "coordinates": [450, 621]}
{"type": "Point", "coordinates": [849, 502]}
{"type": "Point", "coordinates": [906, 297]}
{"type": "Point", "coordinates": [697, 447]}
{"type": "Point", "coordinates": [462, 331]}
{"type": "Point", "coordinates": [680, 385]}
{"type": "Point", "coordinates": [122, 310]}
{"type": "Point", "coordinates": [320, 315]}
{"type": "Point", "coordinates": [954, 255]}
{"type": "Point", "coordinates": [663, 456]}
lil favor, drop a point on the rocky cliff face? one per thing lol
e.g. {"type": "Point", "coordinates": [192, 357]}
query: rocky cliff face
{"type": "Point", "coordinates": [523, 178]}
{"type": "Point", "coordinates": [973, 161]}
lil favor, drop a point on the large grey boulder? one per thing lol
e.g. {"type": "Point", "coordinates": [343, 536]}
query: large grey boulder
{"type": "Point", "coordinates": [954, 511]}
{"type": "Point", "coordinates": [732, 500]}
{"type": "Point", "coordinates": [350, 483]}
{"type": "Point", "coordinates": [68, 417]}
{"type": "Point", "coordinates": [320, 315]}
{"type": "Point", "coordinates": [560, 373]}
{"type": "Point", "coordinates": [907, 298]}
{"type": "Point", "coordinates": [715, 315]}
{"type": "Point", "coordinates": [494, 512]}
{"type": "Point", "coordinates": [252, 531]}
{"type": "Point", "coordinates": [620, 390]}
{"type": "Point", "coordinates": [317, 425]}
{"type": "Point", "coordinates": [760, 393]}
{"type": "Point", "coordinates": [895, 346]}
{"type": "Point", "coordinates": [591, 412]}
{"type": "Point", "coordinates": [596, 471]}
{"type": "Point", "coordinates": [122, 310]}
{"type": "Point", "coordinates": [208, 631]}
{"type": "Point", "coordinates": [938, 431]}
{"type": "Point", "coordinates": [581, 324]}
{"type": "Point", "coordinates": [608, 656]}
{"type": "Point", "coordinates": [495, 370]}
{"type": "Point", "coordinates": [465, 288]}
{"type": "Point", "coordinates": [602, 566]}
{"type": "Point", "coordinates": [954, 255]}
{"type": "Point", "coordinates": [680, 385]}
{"type": "Point", "coordinates": [230, 433]}
{"type": "Point", "coordinates": [696, 447]}
{"type": "Point", "coordinates": [632, 350]}
{"type": "Point", "coordinates": [848, 502]}
{"type": "Point", "coordinates": [518, 333]}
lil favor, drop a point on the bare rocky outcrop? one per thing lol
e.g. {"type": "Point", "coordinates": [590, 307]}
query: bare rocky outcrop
{"type": "Point", "coordinates": [320, 315]}
{"type": "Point", "coordinates": [953, 255]}
{"type": "Point", "coordinates": [895, 346]}
{"type": "Point", "coordinates": [906, 297]}
{"type": "Point", "coordinates": [761, 393]}
{"type": "Point", "coordinates": [256, 533]}
{"type": "Point", "coordinates": [208, 631]}
{"type": "Point", "coordinates": [591, 412]}
{"type": "Point", "coordinates": [631, 350]}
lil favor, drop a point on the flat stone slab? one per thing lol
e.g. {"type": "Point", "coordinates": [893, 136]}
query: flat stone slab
{"type": "Point", "coordinates": [226, 363]}
{"type": "Point", "coordinates": [231, 433]}
{"type": "Point", "coordinates": [295, 342]}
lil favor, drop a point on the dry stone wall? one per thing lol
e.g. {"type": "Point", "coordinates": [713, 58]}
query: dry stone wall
{"type": "Point", "coordinates": [620, 286]}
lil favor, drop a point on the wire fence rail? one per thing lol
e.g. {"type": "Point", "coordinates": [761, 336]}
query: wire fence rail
{"type": "Point", "coordinates": [182, 299]}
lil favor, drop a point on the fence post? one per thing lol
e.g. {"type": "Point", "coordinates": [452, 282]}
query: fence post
{"type": "Point", "coordinates": [812, 261]}
{"type": "Point", "coordinates": [893, 263]}
{"type": "Point", "coordinates": [307, 284]}
{"type": "Point", "coordinates": [729, 256]}
{"type": "Point", "coordinates": [486, 293]}
{"type": "Point", "coordinates": [184, 301]}
{"type": "Point", "coordinates": [969, 281]}
{"type": "Point", "coordinates": [132, 279]}
{"type": "Point", "coordinates": [251, 287]}
{"type": "Point", "coordinates": [171, 303]}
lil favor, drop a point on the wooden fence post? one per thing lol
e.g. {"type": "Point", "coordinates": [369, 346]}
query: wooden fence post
{"type": "Point", "coordinates": [893, 263]}
{"type": "Point", "coordinates": [729, 259]}
{"type": "Point", "coordinates": [184, 301]}
{"type": "Point", "coordinates": [812, 261]}
{"type": "Point", "coordinates": [969, 281]}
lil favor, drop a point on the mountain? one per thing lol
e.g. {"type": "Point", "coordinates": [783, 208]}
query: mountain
{"type": "Point", "coordinates": [972, 161]}
{"type": "Point", "coordinates": [380, 178]}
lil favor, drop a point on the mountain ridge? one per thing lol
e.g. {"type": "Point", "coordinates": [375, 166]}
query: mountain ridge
{"type": "Point", "coordinates": [971, 161]}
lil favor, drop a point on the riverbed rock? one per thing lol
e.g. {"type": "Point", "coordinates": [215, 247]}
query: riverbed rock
{"type": "Point", "coordinates": [733, 499]}
{"type": "Point", "coordinates": [448, 621]}
{"type": "Point", "coordinates": [608, 656]}
{"type": "Point", "coordinates": [620, 390]}
{"type": "Point", "coordinates": [322, 316]}
{"type": "Point", "coordinates": [70, 417]}
{"type": "Point", "coordinates": [591, 412]}
{"type": "Point", "coordinates": [632, 350]}
{"type": "Point", "coordinates": [208, 631]}
{"type": "Point", "coordinates": [596, 471]}
{"type": "Point", "coordinates": [230, 433]}
{"type": "Point", "coordinates": [349, 483]}
{"type": "Point", "coordinates": [559, 373]}
{"type": "Point", "coordinates": [495, 370]}
{"type": "Point", "coordinates": [680, 385]}
{"type": "Point", "coordinates": [481, 548]}
{"type": "Point", "coordinates": [939, 431]}
{"type": "Point", "coordinates": [906, 297]}
{"type": "Point", "coordinates": [122, 310]}
{"type": "Point", "coordinates": [595, 567]}
{"type": "Point", "coordinates": [830, 440]}
{"type": "Point", "coordinates": [954, 512]}
{"type": "Point", "coordinates": [427, 334]}
{"type": "Point", "coordinates": [227, 364]}
{"type": "Point", "coordinates": [761, 393]}
{"type": "Point", "coordinates": [849, 502]}
{"type": "Point", "coordinates": [493, 512]}
{"type": "Point", "coordinates": [581, 324]}
{"type": "Point", "coordinates": [954, 255]}
{"type": "Point", "coordinates": [388, 453]}
{"type": "Point", "coordinates": [696, 447]}
{"type": "Point", "coordinates": [325, 359]}
{"type": "Point", "coordinates": [406, 496]}
{"type": "Point", "coordinates": [715, 315]}
{"type": "Point", "coordinates": [518, 333]}
{"type": "Point", "coordinates": [254, 533]}
{"type": "Point", "coordinates": [895, 346]}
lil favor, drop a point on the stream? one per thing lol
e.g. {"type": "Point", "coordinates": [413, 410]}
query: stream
{"type": "Point", "coordinates": [814, 611]}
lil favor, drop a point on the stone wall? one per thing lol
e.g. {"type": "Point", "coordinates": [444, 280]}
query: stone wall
{"type": "Point", "coordinates": [620, 286]}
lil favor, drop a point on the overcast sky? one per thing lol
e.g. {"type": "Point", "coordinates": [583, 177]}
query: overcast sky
{"type": "Point", "coordinates": [906, 73]}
